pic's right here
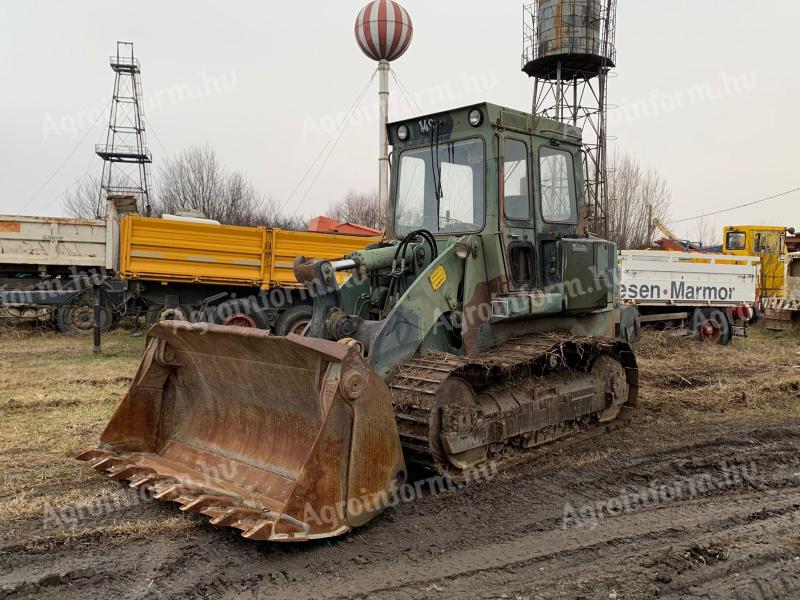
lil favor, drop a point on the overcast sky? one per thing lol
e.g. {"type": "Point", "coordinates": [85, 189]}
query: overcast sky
{"type": "Point", "coordinates": [706, 91]}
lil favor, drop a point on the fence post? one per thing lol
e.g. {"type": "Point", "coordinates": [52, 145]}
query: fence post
{"type": "Point", "coordinates": [98, 325]}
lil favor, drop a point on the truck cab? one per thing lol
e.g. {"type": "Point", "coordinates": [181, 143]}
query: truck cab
{"type": "Point", "coordinates": [766, 242]}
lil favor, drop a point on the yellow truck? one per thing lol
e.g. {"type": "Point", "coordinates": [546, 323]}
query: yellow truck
{"type": "Point", "coordinates": [783, 313]}
{"type": "Point", "coordinates": [766, 242]}
{"type": "Point", "coordinates": [169, 268]}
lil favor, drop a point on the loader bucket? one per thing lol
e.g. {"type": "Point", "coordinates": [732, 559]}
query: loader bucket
{"type": "Point", "coordinates": [285, 439]}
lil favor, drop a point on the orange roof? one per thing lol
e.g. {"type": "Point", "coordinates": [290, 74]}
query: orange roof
{"type": "Point", "coordinates": [324, 224]}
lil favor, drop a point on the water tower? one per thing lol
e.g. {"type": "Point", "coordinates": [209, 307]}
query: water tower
{"type": "Point", "coordinates": [383, 31]}
{"type": "Point", "coordinates": [569, 51]}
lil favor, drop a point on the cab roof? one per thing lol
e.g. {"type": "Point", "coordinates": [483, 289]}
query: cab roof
{"type": "Point", "coordinates": [501, 118]}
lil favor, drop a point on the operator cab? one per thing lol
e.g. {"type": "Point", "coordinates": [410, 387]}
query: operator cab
{"type": "Point", "coordinates": [512, 180]}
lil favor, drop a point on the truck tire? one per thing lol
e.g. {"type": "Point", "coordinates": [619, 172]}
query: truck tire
{"type": "Point", "coordinates": [155, 314]}
{"type": "Point", "coordinates": [78, 317]}
{"type": "Point", "coordinates": [712, 325]}
{"type": "Point", "coordinates": [241, 313]}
{"type": "Point", "coordinates": [294, 320]}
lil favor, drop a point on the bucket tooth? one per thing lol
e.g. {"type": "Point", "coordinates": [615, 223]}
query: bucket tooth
{"type": "Point", "coordinates": [185, 498]}
{"type": "Point", "coordinates": [93, 454]}
{"type": "Point", "coordinates": [171, 493]}
{"type": "Point", "coordinates": [224, 519]}
{"type": "Point", "coordinates": [243, 525]}
{"type": "Point", "coordinates": [235, 516]}
{"type": "Point", "coordinates": [107, 463]}
{"type": "Point", "coordinates": [260, 531]}
{"type": "Point", "coordinates": [129, 472]}
{"type": "Point", "coordinates": [212, 512]}
{"type": "Point", "coordinates": [204, 501]}
{"type": "Point", "coordinates": [146, 481]}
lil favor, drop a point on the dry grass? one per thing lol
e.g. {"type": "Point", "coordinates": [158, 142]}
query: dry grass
{"type": "Point", "coordinates": [56, 396]}
{"type": "Point", "coordinates": [755, 379]}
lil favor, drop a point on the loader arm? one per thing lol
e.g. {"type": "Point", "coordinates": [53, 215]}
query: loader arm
{"type": "Point", "coordinates": [428, 300]}
{"type": "Point", "coordinates": [430, 295]}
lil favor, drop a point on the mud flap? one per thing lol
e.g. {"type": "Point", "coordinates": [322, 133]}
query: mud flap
{"type": "Point", "coordinates": [286, 439]}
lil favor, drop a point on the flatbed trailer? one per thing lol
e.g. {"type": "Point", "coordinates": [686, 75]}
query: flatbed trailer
{"type": "Point", "coordinates": [712, 296]}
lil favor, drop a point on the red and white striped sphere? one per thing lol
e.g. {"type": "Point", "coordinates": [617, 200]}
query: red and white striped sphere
{"type": "Point", "coordinates": [384, 30]}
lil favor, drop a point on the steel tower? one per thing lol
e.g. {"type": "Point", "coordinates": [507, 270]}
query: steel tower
{"type": "Point", "coordinates": [126, 166]}
{"type": "Point", "coordinates": [569, 50]}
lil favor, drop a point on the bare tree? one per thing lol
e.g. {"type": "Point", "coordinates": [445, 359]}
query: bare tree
{"type": "Point", "coordinates": [195, 180]}
{"type": "Point", "coordinates": [635, 197]}
{"type": "Point", "coordinates": [703, 232]}
{"type": "Point", "coordinates": [360, 208]}
{"type": "Point", "coordinates": [81, 202]}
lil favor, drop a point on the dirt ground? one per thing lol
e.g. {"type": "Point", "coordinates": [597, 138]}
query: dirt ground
{"type": "Point", "coordinates": [699, 498]}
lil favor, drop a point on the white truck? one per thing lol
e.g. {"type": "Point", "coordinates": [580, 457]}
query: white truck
{"type": "Point", "coordinates": [56, 259]}
{"type": "Point", "coordinates": [713, 295]}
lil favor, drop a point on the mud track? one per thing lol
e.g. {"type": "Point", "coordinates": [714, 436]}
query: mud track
{"type": "Point", "coordinates": [663, 508]}
{"type": "Point", "coordinates": [738, 537]}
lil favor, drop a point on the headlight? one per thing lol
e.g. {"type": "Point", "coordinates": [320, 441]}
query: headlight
{"type": "Point", "coordinates": [402, 133]}
{"type": "Point", "coordinates": [475, 117]}
{"type": "Point", "coordinates": [462, 250]}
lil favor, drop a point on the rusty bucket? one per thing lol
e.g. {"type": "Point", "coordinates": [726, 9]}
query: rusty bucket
{"type": "Point", "coordinates": [285, 439]}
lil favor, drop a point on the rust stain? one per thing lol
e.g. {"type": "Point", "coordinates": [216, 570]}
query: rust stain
{"type": "Point", "coordinates": [9, 226]}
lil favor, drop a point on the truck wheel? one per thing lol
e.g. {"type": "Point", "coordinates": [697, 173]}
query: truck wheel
{"type": "Point", "coordinates": [294, 320]}
{"type": "Point", "coordinates": [713, 325]}
{"type": "Point", "coordinates": [240, 313]}
{"type": "Point", "coordinates": [156, 314]}
{"type": "Point", "coordinates": [78, 317]}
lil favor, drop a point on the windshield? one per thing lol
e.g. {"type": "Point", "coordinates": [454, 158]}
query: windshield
{"type": "Point", "coordinates": [441, 189]}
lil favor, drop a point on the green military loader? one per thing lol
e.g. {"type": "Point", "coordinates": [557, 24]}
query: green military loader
{"type": "Point", "coordinates": [485, 325]}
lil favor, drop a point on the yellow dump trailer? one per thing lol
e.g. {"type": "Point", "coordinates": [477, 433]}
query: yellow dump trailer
{"type": "Point", "coordinates": [208, 253]}
{"type": "Point", "coordinates": [199, 270]}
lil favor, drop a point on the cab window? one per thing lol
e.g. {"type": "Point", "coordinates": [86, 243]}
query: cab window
{"type": "Point", "coordinates": [736, 240]}
{"type": "Point", "coordinates": [441, 189]}
{"type": "Point", "coordinates": [767, 241]}
{"type": "Point", "coordinates": [516, 197]}
{"type": "Point", "coordinates": [557, 179]}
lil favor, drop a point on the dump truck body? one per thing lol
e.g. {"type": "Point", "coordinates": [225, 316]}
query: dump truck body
{"type": "Point", "coordinates": [206, 253]}
{"type": "Point", "coordinates": [53, 244]}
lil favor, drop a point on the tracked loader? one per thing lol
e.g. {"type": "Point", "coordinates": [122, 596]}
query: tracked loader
{"type": "Point", "coordinates": [484, 326]}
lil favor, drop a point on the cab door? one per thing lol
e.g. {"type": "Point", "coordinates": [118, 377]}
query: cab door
{"type": "Point", "coordinates": [517, 216]}
{"type": "Point", "coordinates": [771, 247]}
{"type": "Point", "coordinates": [558, 168]}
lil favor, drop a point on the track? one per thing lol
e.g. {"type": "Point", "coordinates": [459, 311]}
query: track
{"type": "Point", "coordinates": [521, 375]}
